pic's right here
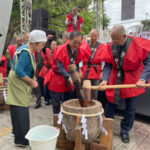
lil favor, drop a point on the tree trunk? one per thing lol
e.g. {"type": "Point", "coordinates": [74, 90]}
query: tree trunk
{"type": "Point", "coordinates": [11, 31]}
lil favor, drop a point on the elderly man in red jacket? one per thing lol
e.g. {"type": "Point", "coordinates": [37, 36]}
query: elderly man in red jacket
{"type": "Point", "coordinates": [11, 51]}
{"type": "Point", "coordinates": [127, 62]}
{"type": "Point", "coordinates": [92, 67]}
{"type": "Point", "coordinates": [12, 48]}
{"type": "Point", "coordinates": [74, 21]}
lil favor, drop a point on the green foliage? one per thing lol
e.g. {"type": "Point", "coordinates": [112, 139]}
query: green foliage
{"type": "Point", "coordinates": [89, 22]}
{"type": "Point", "coordinates": [106, 21]}
{"type": "Point", "coordinates": [146, 24]}
{"type": "Point", "coordinates": [58, 9]}
{"type": "Point", "coordinates": [15, 16]}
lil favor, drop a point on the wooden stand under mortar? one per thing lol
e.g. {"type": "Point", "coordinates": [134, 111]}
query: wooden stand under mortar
{"type": "Point", "coordinates": [105, 142]}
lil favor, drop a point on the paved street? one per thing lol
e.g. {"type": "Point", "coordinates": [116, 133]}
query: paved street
{"type": "Point", "coordinates": [139, 136]}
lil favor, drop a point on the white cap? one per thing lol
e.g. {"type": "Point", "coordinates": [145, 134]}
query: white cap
{"type": "Point", "coordinates": [37, 36]}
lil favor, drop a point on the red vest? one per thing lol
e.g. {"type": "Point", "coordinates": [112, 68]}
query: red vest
{"type": "Point", "coordinates": [3, 68]}
{"type": "Point", "coordinates": [12, 50]}
{"type": "Point", "coordinates": [56, 81]}
{"type": "Point", "coordinates": [132, 67]}
{"type": "Point", "coordinates": [70, 28]}
{"type": "Point", "coordinates": [95, 70]}
{"type": "Point", "coordinates": [47, 57]}
{"type": "Point", "coordinates": [50, 72]}
{"type": "Point", "coordinates": [47, 77]}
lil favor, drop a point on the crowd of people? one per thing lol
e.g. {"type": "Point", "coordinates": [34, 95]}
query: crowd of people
{"type": "Point", "coordinates": [124, 60]}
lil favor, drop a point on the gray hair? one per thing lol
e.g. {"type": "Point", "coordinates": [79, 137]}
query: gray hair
{"type": "Point", "coordinates": [75, 34]}
{"type": "Point", "coordinates": [19, 37]}
{"type": "Point", "coordinates": [94, 30]}
{"type": "Point", "coordinates": [74, 7]}
{"type": "Point", "coordinates": [119, 29]}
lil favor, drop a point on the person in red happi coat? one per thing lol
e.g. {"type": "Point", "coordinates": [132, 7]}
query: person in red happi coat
{"type": "Point", "coordinates": [127, 61]}
{"type": "Point", "coordinates": [92, 67]}
{"type": "Point", "coordinates": [59, 78]}
{"type": "Point", "coordinates": [74, 21]}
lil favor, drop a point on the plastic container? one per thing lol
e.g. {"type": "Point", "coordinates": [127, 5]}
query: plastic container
{"type": "Point", "coordinates": [43, 137]}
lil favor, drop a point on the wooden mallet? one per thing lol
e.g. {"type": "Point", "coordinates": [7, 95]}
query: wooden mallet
{"type": "Point", "coordinates": [87, 84]}
{"type": "Point", "coordinates": [77, 84]}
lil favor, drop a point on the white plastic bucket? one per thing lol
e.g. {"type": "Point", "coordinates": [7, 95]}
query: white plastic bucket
{"type": "Point", "coordinates": [43, 137]}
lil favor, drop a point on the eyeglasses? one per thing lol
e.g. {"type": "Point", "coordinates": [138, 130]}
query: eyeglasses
{"type": "Point", "coordinates": [115, 40]}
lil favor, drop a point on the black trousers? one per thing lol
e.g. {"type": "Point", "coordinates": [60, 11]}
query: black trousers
{"type": "Point", "coordinates": [39, 91]}
{"type": "Point", "coordinates": [129, 113]}
{"type": "Point", "coordinates": [20, 122]}
{"type": "Point", "coordinates": [47, 97]}
{"type": "Point", "coordinates": [102, 98]}
{"type": "Point", "coordinates": [57, 98]}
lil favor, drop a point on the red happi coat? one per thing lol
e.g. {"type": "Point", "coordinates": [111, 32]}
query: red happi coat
{"type": "Point", "coordinates": [50, 72]}
{"type": "Point", "coordinates": [70, 28]}
{"type": "Point", "coordinates": [47, 62]}
{"type": "Point", "coordinates": [3, 68]}
{"type": "Point", "coordinates": [132, 67]}
{"type": "Point", "coordinates": [86, 53]}
{"type": "Point", "coordinates": [56, 81]}
{"type": "Point", "coordinates": [12, 50]}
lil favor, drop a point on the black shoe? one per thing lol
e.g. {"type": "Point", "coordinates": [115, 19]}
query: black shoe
{"type": "Point", "coordinates": [47, 103]}
{"type": "Point", "coordinates": [22, 145]}
{"type": "Point", "coordinates": [37, 106]}
{"type": "Point", "coordinates": [125, 138]}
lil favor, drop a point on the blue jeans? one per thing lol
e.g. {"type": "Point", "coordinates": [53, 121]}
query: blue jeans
{"type": "Point", "coordinates": [129, 114]}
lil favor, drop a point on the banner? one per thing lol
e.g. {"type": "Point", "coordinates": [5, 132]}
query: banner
{"type": "Point", "coordinates": [128, 9]}
{"type": "Point", "coordinates": [5, 13]}
{"type": "Point", "coordinates": [143, 34]}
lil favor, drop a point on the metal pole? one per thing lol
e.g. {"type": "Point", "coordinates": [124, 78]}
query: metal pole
{"type": "Point", "coordinates": [21, 18]}
{"type": "Point", "coordinates": [25, 15]}
{"type": "Point", "coordinates": [103, 12]}
{"type": "Point", "coordinates": [146, 19]}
